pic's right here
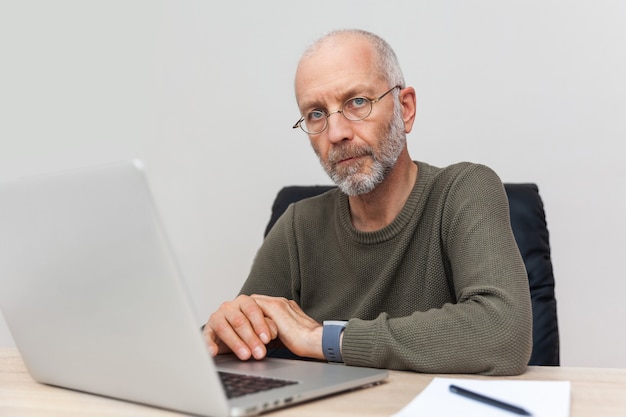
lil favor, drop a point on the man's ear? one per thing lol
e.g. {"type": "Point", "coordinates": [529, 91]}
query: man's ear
{"type": "Point", "coordinates": [409, 106]}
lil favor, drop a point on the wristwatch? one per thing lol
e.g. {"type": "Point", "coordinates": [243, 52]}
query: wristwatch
{"type": "Point", "coordinates": [331, 338]}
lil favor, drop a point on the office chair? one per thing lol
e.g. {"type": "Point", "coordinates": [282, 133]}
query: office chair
{"type": "Point", "coordinates": [529, 226]}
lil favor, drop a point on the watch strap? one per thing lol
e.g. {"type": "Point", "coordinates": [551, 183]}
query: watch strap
{"type": "Point", "coordinates": [331, 339]}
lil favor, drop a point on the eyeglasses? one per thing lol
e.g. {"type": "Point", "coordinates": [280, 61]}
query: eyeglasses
{"type": "Point", "coordinates": [354, 109]}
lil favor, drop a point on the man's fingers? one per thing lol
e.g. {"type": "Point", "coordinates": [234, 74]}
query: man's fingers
{"type": "Point", "coordinates": [273, 328]}
{"type": "Point", "coordinates": [300, 333]}
{"type": "Point", "coordinates": [256, 319]}
{"type": "Point", "coordinates": [233, 328]}
{"type": "Point", "coordinates": [214, 345]}
{"type": "Point", "coordinates": [241, 326]}
{"type": "Point", "coordinates": [231, 337]}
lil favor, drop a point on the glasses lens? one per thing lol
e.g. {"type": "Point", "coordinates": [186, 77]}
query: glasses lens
{"type": "Point", "coordinates": [357, 108]}
{"type": "Point", "coordinates": [314, 122]}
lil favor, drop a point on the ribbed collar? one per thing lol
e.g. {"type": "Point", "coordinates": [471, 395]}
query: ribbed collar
{"type": "Point", "coordinates": [397, 225]}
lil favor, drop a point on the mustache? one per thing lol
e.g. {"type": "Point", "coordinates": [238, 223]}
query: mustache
{"type": "Point", "coordinates": [341, 153]}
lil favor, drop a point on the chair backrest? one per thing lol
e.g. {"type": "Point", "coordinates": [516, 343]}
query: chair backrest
{"type": "Point", "coordinates": [528, 222]}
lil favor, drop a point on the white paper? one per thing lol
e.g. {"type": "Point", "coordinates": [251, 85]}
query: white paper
{"type": "Point", "coordinates": [540, 398]}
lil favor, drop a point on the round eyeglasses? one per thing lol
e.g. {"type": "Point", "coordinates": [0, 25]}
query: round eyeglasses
{"type": "Point", "coordinates": [354, 109]}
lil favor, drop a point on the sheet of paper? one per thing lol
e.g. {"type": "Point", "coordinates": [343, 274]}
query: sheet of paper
{"type": "Point", "coordinates": [540, 398]}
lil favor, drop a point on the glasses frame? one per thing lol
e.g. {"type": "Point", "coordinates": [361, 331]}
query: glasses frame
{"type": "Point", "coordinates": [300, 125]}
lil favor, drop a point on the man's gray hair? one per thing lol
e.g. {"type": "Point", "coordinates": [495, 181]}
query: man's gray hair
{"type": "Point", "coordinates": [386, 63]}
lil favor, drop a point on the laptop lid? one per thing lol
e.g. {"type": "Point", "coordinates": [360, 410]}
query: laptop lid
{"type": "Point", "coordinates": [93, 298]}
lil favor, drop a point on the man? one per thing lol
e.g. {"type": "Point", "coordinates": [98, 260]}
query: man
{"type": "Point", "coordinates": [418, 262]}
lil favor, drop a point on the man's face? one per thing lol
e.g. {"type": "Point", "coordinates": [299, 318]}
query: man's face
{"type": "Point", "coordinates": [358, 168]}
{"type": "Point", "coordinates": [356, 154]}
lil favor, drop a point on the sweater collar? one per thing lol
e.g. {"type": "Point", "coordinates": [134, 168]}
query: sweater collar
{"type": "Point", "coordinates": [398, 224]}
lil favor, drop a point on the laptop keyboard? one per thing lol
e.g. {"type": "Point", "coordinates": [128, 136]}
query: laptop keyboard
{"type": "Point", "coordinates": [237, 385]}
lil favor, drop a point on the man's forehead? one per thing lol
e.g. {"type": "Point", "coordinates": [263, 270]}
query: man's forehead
{"type": "Point", "coordinates": [334, 70]}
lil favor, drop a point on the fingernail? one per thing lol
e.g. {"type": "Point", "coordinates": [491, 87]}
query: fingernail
{"type": "Point", "coordinates": [265, 338]}
{"type": "Point", "coordinates": [243, 353]}
{"type": "Point", "coordinates": [258, 352]}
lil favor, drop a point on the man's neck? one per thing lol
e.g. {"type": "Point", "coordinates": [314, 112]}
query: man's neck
{"type": "Point", "coordinates": [378, 208]}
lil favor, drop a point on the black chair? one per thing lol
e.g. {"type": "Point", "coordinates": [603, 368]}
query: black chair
{"type": "Point", "coordinates": [528, 222]}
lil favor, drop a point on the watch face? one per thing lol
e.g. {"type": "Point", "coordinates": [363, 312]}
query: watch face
{"type": "Point", "coordinates": [341, 323]}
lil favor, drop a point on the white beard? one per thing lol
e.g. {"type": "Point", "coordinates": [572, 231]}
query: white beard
{"type": "Point", "coordinates": [354, 180]}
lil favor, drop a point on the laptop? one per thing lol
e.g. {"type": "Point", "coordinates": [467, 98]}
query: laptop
{"type": "Point", "coordinates": [92, 295]}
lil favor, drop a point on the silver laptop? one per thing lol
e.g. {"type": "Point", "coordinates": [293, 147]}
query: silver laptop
{"type": "Point", "coordinates": [93, 298]}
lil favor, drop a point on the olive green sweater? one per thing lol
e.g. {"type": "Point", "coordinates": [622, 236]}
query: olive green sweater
{"type": "Point", "coordinates": [442, 289]}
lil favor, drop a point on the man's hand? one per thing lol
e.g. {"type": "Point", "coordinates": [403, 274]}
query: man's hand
{"type": "Point", "coordinates": [298, 332]}
{"type": "Point", "coordinates": [246, 324]}
{"type": "Point", "coordinates": [240, 326]}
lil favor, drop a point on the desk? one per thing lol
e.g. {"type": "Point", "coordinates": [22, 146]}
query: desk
{"type": "Point", "coordinates": [595, 392]}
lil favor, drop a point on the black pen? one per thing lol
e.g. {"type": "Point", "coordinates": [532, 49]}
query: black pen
{"type": "Point", "coordinates": [488, 400]}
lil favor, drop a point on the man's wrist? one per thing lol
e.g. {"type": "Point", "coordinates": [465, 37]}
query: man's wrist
{"type": "Point", "coordinates": [331, 340]}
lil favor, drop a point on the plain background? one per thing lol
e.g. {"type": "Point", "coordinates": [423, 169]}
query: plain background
{"type": "Point", "coordinates": [203, 92]}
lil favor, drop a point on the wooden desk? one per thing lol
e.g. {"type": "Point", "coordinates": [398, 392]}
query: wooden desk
{"type": "Point", "coordinates": [595, 392]}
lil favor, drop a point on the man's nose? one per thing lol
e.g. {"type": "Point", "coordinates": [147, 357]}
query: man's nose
{"type": "Point", "coordinates": [339, 128]}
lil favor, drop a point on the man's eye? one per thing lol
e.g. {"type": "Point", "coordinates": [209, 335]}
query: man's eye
{"type": "Point", "coordinates": [356, 103]}
{"type": "Point", "coordinates": [315, 115]}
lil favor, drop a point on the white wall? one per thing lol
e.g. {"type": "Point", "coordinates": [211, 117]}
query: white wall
{"type": "Point", "coordinates": [202, 91]}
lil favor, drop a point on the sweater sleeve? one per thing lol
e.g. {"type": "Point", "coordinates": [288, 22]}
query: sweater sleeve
{"type": "Point", "coordinates": [274, 270]}
{"type": "Point", "coordinates": [488, 329]}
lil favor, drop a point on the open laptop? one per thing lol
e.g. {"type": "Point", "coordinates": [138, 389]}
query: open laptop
{"type": "Point", "coordinates": [93, 298]}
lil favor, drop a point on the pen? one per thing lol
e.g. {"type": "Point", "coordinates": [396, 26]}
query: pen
{"type": "Point", "coordinates": [488, 400]}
